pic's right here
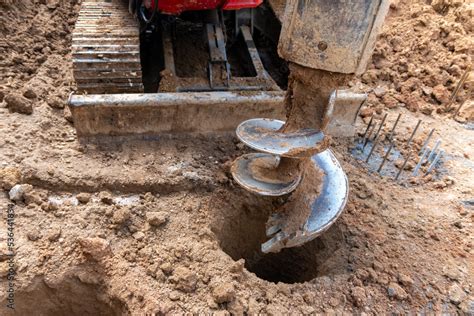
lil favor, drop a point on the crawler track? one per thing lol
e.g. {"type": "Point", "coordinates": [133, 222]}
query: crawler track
{"type": "Point", "coordinates": [106, 49]}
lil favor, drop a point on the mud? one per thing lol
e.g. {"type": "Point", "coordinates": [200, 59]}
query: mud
{"type": "Point", "coordinates": [308, 95]}
{"type": "Point", "coordinates": [306, 105]}
{"type": "Point", "coordinates": [398, 248]}
{"type": "Point", "coordinates": [286, 171]}
{"type": "Point", "coordinates": [298, 207]}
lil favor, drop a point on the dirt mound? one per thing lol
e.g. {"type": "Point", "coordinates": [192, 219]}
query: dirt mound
{"type": "Point", "coordinates": [35, 40]}
{"type": "Point", "coordinates": [423, 51]}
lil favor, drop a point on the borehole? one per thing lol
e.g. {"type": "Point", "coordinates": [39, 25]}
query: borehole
{"type": "Point", "coordinates": [70, 297]}
{"type": "Point", "coordinates": [239, 224]}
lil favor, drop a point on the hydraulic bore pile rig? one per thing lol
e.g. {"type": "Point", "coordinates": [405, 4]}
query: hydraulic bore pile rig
{"type": "Point", "coordinates": [146, 68]}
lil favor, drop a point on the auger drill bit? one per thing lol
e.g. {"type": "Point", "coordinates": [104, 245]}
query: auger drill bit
{"type": "Point", "coordinates": [280, 168]}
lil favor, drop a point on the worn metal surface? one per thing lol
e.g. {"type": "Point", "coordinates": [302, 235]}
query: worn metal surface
{"type": "Point", "coordinates": [427, 140]}
{"type": "Point", "coordinates": [262, 74]}
{"type": "Point", "coordinates": [245, 177]}
{"type": "Point", "coordinates": [336, 35]}
{"type": "Point", "coordinates": [325, 209]}
{"type": "Point", "coordinates": [346, 109]}
{"type": "Point", "coordinates": [157, 113]}
{"type": "Point", "coordinates": [184, 112]}
{"type": "Point", "coordinates": [263, 135]}
{"type": "Point", "coordinates": [106, 49]}
{"type": "Point", "coordinates": [218, 66]}
{"type": "Point", "coordinates": [376, 138]}
{"type": "Point", "coordinates": [219, 74]}
{"type": "Point", "coordinates": [434, 162]}
{"type": "Point", "coordinates": [278, 7]}
{"type": "Point", "coordinates": [418, 165]}
{"type": "Point", "coordinates": [414, 132]}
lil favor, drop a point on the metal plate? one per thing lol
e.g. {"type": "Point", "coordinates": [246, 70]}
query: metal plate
{"type": "Point", "coordinates": [325, 209]}
{"type": "Point", "coordinates": [337, 35]}
{"type": "Point", "coordinates": [264, 135]}
{"type": "Point", "coordinates": [243, 175]}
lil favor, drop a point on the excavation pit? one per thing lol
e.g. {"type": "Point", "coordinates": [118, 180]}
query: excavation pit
{"type": "Point", "coordinates": [239, 225]}
{"type": "Point", "coordinates": [70, 297]}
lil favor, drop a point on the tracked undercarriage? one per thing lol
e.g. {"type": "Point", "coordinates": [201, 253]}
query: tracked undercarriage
{"type": "Point", "coordinates": [106, 49]}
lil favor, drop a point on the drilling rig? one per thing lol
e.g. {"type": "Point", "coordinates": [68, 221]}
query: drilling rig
{"type": "Point", "coordinates": [272, 69]}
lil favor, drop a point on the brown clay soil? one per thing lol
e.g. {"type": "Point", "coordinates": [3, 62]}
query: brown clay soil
{"type": "Point", "coordinates": [160, 228]}
{"type": "Point", "coordinates": [308, 95]}
{"type": "Point", "coordinates": [420, 56]}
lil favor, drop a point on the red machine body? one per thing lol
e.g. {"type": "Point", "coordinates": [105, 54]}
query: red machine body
{"type": "Point", "coordinates": [179, 6]}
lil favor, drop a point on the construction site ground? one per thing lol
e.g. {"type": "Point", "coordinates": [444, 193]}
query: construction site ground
{"type": "Point", "coordinates": [160, 227]}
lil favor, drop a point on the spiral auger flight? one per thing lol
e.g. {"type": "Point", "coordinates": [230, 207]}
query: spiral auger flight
{"type": "Point", "coordinates": [279, 169]}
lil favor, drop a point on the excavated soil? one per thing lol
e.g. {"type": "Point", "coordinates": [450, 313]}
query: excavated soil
{"type": "Point", "coordinates": [420, 57]}
{"type": "Point", "coordinates": [309, 91]}
{"type": "Point", "coordinates": [297, 208]}
{"type": "Point", "coordinates": [161, 228]}
{"type": "Point", "coordinates": [265, 169]}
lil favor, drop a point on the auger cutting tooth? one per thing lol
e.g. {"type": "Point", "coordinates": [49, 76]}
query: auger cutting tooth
{"type": "Point", "coordinates": [272, 244]}
{"type": "Point", "coordinates": [272, 230]}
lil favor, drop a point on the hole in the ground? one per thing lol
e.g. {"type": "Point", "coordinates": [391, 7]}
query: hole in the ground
{"type": "Point", "coordinates": [239, 225]}
{"type": "Point", "coordinates": [70, 297]}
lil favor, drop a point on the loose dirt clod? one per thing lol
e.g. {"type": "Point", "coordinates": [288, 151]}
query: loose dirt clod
{"type": "Point", "coordinates": [121, 215]}
{"type": "Point", "coordinates": [106, 198]}
{"type": "Point", "coordinates": [34, 235]}
{"type": "Point", "coordinates": [223, 293]}
{"type": "Point", "coordinates": [9, 177]}
{"type": "Point", "coordinates": [83, 197]}
{"type": "Point", "coordinates": [184, 279]}
{"type": "Point", "coordinates": [396, 291]}
{"type": "Point", "coordinates": [18, 103]}
{"type": "Point", "coordinates": [56, 103]}
{"type": "Point", "coordinates": [30, 94]}
{"type": "Point", "coordinates": [156, 218]}
{"type": "Point", "coordinates": [358, 296]}
{"type": "Point", "coordinates": [96, 247]}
